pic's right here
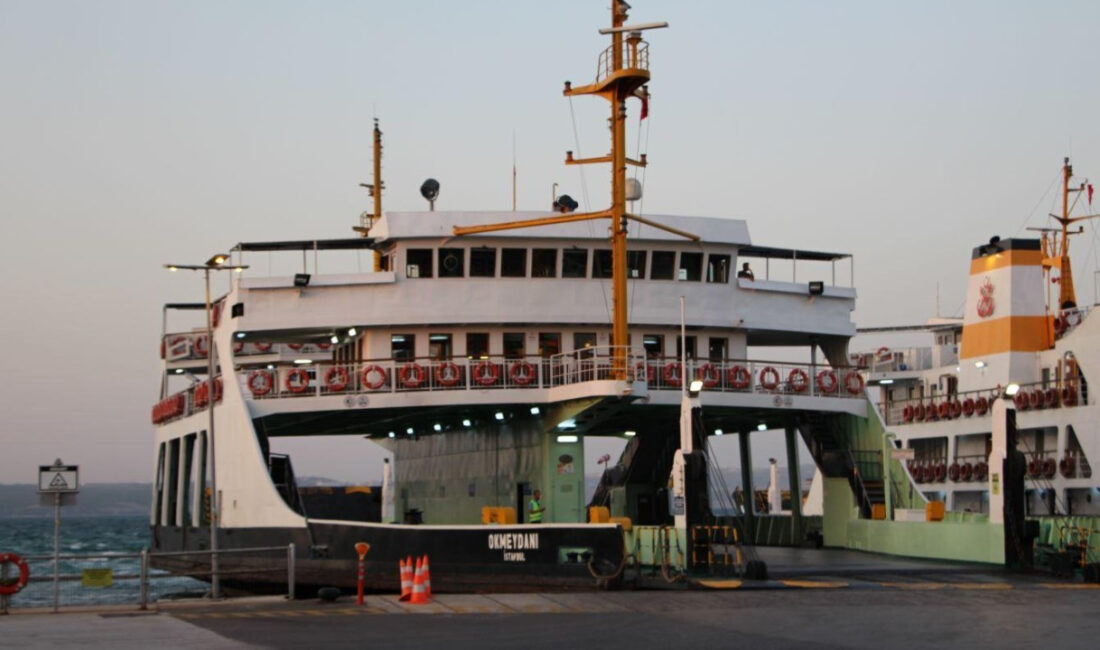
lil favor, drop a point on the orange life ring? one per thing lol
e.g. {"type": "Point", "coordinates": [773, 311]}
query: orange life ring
{"type": "Point", "coordinates": [941, 471]}
{"type": "Point", "coordinates": [906, 413]}
{"type": "Point", "coordinates": [201, 395]}
{"type": "Point", "coordinates": [967, 472]}
{"type": "Point", "coordinates": [294, 346]}
{"type": "Point", "coordinates": [980, 471]}
{"type": "Point", "coordinates": [708, 374]}
{"type": "Point", "coordinates": [412, 375]}
{"type": "Point", "coordinates": [798, 380]}
{"type": "Point", "coordinates": [324, 345]}
{"type": "Point", "coordinates": [260, 382]}
{"type": "Point", "coordinates": [297, 380]}
{"type": "Point", "coordinates": [1069, 395]}
{"type": "Point", "coordinates": [828, 383]}
{"type": "Point", "coordinates": [882, 354]}
{"type": "Point", "coordinates": [448, 374]}
{"type": "Point", "coordinates": [1067, 465]}
{"type": "Point", "coordinates": [1050, 397]}
{"type": "Point", "coordinates": [918, 412]}
{"type": "Point", "coordinates": [1034, 467]}
{"type": "Point", "coordinates": [13, 586]}
{"type": "Point", "coordinates": [944, 410]}
{"type": "Point", "coordinates": [522, 373]}
{"type": "Point", "coordinates": [486, 373]}
{"type": "Point", "coordinates": [853, 382]}
{"type": "Point", "coordinates": [968, 407]}
{"type": "Point", "coordinates": [201, 345]}
{"type": "Point", "coordinates": [262, 346]}
{"type": "Point", "coordinates": [981, 406]}
{"type": "Point", "coordinates": [769, 378]}
{"type": "Point", "coordinates": [738, 377]}
{"type": "Point", "coordinates": [1049, 467]}
{"type": "Point", "coordinates": [337, 378]}
{"type": "Point", "coordinates": [1021, 401]}
{"type": "Point", "coordinates": [378, 372]}
{"type": "Point", "coordinates": [673, 373]}
{"type": "Point", "coordinates": [953, 472]}
{"type": "Point", "coordinates": [1037, 399]}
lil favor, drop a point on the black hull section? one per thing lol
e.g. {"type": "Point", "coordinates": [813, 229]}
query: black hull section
{"type": "Point", "coordinates": [463, 558]}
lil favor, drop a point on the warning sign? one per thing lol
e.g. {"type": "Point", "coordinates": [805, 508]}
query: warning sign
{"type": "Point", "coordinates": [97, 577]}
{"type": "Point", "coordinates": [58, 478]}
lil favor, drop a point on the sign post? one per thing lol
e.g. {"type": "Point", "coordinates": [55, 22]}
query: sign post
{"type": "Point", "coordinates": [57, 484]}
{"type": "Point", "coordinates": [361, 548]}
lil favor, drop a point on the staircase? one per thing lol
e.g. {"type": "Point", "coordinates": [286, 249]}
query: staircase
{"type": "Point", "coordinates": [825, 438]}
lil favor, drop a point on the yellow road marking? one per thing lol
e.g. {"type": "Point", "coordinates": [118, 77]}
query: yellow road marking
{"type": "Point", "coordinates": [814, 584]}
{"type": "Point", "coordinates": [914, 586]}
{"type": "Point", "coordinates": [1069, 585]}
{"type": "Point", "coordinates": [721, 584]}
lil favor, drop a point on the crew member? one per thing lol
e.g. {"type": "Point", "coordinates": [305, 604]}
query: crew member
{"type": "Point", "coordinates": [746, 272]}
{"type": "Point", "coordinates": [535, 509]}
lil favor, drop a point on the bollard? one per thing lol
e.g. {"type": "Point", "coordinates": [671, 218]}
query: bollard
{"type": "Point", "coordinates": [291, 569]}
{"type": "Point", "coordinates": [361, 548]}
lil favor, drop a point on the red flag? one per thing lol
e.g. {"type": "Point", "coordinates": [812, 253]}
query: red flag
{"type": "Point", "coordinates": [1090, 191]}
{"type": "Point", "coordinates": [645, 114]}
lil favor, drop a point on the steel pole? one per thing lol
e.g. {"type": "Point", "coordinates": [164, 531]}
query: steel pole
{"type": "Point", "coordinates": [56, 550]}
{"type": "Point", "coordinates": [215, 586]}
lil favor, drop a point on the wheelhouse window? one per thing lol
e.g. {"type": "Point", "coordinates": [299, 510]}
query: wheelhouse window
{"type": "Point", "coordinates": [654, 345]}
{"type": "Point", "coordinates": [439, 346]}
{"type": "Point", "coordinates": [513, 262]}
{"type": "Point", "coordinates": [574, 263]}
{"type": "Point", "coordinates": [477, 345]}
{"type": "Point", "coordinates": [483, 262]}
{"type": "Point", "coordinates": [664, 265]}
{"type": "Point", "coordinates": [718, 268]}
{"type": "Point", "coordinates": [549, 343]}
{"type": "Point", "coordinates": [601, 263]}
{"type": "Point", "coordinates": [419, 263]}
{"type": "Point", "coordinates": [513, 345]}
{"type": "Point", "coordinates": [452, 262]}
{"type": "Point", "coordinates": [403, 346]}
{"type": "Point", "coordinates": [635, 264]}
{"type": "Point", "coordinates": [544, 263]}
{"type": "Point", "coordinates": [691, 266]}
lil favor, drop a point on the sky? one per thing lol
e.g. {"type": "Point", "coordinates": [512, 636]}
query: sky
{"type": "Point", "coordinates": [134, 134]}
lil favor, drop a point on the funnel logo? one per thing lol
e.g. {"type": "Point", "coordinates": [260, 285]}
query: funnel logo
{"type": "Point", "coordinates": [985, 302]}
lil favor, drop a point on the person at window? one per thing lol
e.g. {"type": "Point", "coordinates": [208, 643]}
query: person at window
{"type": "Point", "coordinates": [746, 272]}
{"type": "Point", "coordinates": [535, 509]}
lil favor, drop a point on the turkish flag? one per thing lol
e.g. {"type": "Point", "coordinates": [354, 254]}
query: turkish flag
{"type": "Point", "coordinates": [645, 114]}
{"type": "Point", "coordinates": [1090, 184]}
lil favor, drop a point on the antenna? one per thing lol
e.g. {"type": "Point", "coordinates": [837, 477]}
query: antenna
{"type": "Point", "coordinates": [430, 191]}
{"type": "Point", "coordinates": [513, 170]}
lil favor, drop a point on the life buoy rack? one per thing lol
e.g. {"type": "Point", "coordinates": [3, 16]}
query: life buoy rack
{"type": "Point", "coordinates": [522, 373]}
{"type": "Point", "coordinates": [981, 470]}
{"type": "Point", "coordinates": [486, 373]}
{"type": "Point", "coordinates": [966, 472]}
{"type": "Point", "coordinates": [1067, 465]}
{"type": "Point", "coordinates": [201, 345]}
{"type": "Point", "coordinates": [906, 412]}
{"type": "Point", "coordinates": [673, 373]}
{"type": "Point", "coordinates": [769, 378]}
{"type": "Point", "coordinates": [337, 379]}
{"type": "Point", "coordinates": [853, 382]}
{"type": "Point", "coordinates": [12, 586]}
{"type": "Point", "coordinates": [1050, 467]}
{"type": "Point", "coordinates": [708, 374]}
{"type": "Point", "coordinates": [968, 407]}
{"type": "Point", "coordinates": [738, 377]}
{"type": "Point", "coordinates": [798, 380]}
{"type": "Point", "coordinates": [260, 382]}
{"type": "Point", "coordinates": [981, 406]}
{"type": "Point", "coordinates": [448, 374]}
{"type": "Point", "coordinates": [412, 375]}
{"type": "Point", "coordinates": [827, 383]}
{"type": "Point", "coordinates": [297, 380]}
{"type": "Point", "coordinates": [953, 472]}
{"type": "Point", "coordinates": [373, 376]}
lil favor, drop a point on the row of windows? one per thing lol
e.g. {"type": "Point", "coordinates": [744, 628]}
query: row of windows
{"type": "Point", "coordinates": [488, 262]}
{"type": "Point", "coordinates": [514, 344]}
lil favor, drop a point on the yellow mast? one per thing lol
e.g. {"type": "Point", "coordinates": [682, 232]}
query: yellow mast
{"type": "Point", "coordinates": [366, 221]}
{"type": "Point", "coordinates": [622, 73]}
{"type": "Point", "coordinates": [1057, 249]}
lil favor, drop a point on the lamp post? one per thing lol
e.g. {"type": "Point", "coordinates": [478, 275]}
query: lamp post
{"type": "Point", "coordinates": [215, 263]}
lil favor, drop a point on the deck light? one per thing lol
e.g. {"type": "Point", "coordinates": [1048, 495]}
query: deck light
{"type": "Point", "coordinates": [438, 427]}
{"type": "Point", "coordinates": [534, 410]}
{"type": "Point", "coordinates": [1011, 390]}
{"type": "Point", "coordinates": [499, 416]}
{"type": "Point", "coordinates": [761, 427]}
{"type": "Point", "coordinates": [979, 364]}
{"type": "Point", "coordinates": [391, 434]}
{"type": "Point", "coordinates": [217, 260]}
{"type": "Point", "coordinates": [270, 366]}
{"type": "Point", "coordinates": [568, 424]}
{"type": "Point", "coordinates": [694, 388]}
{"type": "Point", "coordinates": [303, 362]}
{"type": "Point", "coordinates": [886, 382]}
{"type": "Point", "coordinates": [334, 339]}
{"type": "Point", "coordinates": [172, 268]}
{"type": "Point", "coordinates": [466, 423]}
{"type": "Point", "coordinates": [352, 331]}
{"type": "Point", "coordinates": [409, 431]}
{"type": "Point", "coordinates": [630, 434]}
{"type": "Point", "coordinates": [240, 335]}
{"type": "Point", "coordinates": [179, 371]}
{"type": "Point", "coordinates": [718, 432]}
{"type": "Point", "coordinates": [567, 438]}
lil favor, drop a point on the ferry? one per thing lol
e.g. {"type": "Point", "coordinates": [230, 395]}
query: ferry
{"type": "Point", "coordinates": [480, 350]}
{"type": "Point", "coordinates": [1024, 331]}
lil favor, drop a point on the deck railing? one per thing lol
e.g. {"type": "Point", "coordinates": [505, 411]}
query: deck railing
{"type": "Point", "coordinates": [978, 403]}
{"type": "Point", "coordinates": [635, 56]}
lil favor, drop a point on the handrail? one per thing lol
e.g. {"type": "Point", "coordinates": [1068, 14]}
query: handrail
{"type": "Point", "coordinates": [894, 413]}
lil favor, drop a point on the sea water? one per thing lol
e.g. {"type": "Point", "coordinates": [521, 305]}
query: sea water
{"type": "Point", "coordinates": [103, 543]}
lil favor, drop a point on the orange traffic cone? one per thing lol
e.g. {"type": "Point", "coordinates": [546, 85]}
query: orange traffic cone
{"type": "Point", "coordinates": [427, 579]}
{"type": "Point", "coordinates": [406, 578]}
{"type": "Point", "coordinates": [419, 597]}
